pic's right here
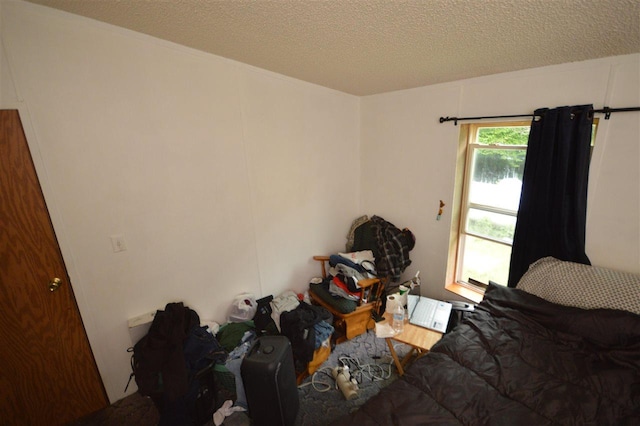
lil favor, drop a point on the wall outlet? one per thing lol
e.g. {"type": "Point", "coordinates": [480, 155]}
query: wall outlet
{"type": "Point", "coordinates": [117, 243]}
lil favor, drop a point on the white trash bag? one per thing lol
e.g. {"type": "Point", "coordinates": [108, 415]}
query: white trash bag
{"type": "Point", "coordinates": [244, 308]}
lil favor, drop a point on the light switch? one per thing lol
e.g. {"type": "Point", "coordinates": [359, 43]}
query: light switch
{"type": "Point", "coordinates": [117, 243]}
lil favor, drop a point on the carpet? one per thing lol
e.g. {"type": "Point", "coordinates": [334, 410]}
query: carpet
{"type": "Point", "coordinates": [369, 361]}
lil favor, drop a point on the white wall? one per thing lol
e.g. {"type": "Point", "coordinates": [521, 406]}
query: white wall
{"type": "Point", "coordinates": [409, 158]}
{"type": "Point", "coordinates": [221, 177]}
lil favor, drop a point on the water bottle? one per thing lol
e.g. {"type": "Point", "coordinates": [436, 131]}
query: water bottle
{"type": "Point", "coordinates": [398, 318]}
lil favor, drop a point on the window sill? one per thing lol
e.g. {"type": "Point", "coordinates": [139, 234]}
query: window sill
{"type": "Point", "coordinates": [475, 296]}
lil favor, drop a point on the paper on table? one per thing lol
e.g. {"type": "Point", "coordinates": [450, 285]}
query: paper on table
{"type": "Point", "coordinates": [384, 329]}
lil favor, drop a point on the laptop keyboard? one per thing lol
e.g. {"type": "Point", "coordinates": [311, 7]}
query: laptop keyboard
{"type": "Point", "coordinates": [424, 312]}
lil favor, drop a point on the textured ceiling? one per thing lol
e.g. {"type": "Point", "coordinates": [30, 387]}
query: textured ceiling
{"type": "Point", "coordinates": [375, 46]}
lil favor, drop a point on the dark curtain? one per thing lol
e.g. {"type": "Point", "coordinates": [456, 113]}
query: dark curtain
{"type": "Point", "coordinates": [553, 204]}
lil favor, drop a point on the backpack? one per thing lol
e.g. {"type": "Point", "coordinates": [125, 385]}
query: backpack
{"type": "Point", "coordinates": [157, 362]}
{"type": "Point", "coordinates": [173, 364]}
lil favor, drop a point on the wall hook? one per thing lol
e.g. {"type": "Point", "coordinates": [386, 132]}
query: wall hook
{"type": "Point", "coordinates": [440, 210]}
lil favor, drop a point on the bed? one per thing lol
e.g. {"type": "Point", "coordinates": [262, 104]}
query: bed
{"type": "Point", "coordinates": [563, 347]}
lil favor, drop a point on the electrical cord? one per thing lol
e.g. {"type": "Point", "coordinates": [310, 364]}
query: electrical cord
{"type": "Point", "coordinates": [323, 381]}
{"type": "Point", "coordinates": [315, 380]}
{"type": "Point", "coordinates": [363, 372]}
{"type": "Point", "coordinates": [360, 372]}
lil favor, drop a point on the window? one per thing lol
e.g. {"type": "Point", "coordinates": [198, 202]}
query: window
{"type": "Point", "coordinates": [494, 164]}
{"type": "Point", "coordinates": [488, 186]}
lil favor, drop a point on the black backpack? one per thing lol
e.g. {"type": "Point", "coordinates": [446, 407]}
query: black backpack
{"type": "Point", "coordinates": [173, 364]}
{"type": "Point", "coordinates": [157, 362]}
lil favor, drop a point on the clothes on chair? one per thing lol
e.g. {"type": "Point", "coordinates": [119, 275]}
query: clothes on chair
{"type": "Point", "coordinates": [340, 304]}
{"type": "Point", "coordinates": [351, 235]}
{"type": "Point", "coordinates": [390, 246]}
{"type": "Point", "coordinates": [337, 287]}
{"type": "Point", "coordinates": [343, 265]}
{"type": "Point", "coordinates": [365, 239]}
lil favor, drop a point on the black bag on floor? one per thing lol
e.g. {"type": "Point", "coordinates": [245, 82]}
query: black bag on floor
{"type": "Point", "coordinates": [173, 364]}
{"type": "Point", "coordinates": [269, 381]}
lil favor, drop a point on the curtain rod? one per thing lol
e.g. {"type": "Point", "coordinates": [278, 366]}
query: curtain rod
{"type": "Point", "coordinates": [606, 111]}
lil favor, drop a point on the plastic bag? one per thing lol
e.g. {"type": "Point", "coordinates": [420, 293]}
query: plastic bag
{"type": "Point", "coordinates": [244, 308]}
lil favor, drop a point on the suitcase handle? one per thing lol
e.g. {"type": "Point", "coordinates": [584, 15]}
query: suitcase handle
{"type": "Point", "coordinates": [257, 345]}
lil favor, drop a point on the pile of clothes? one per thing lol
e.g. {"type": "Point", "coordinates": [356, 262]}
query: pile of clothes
{"type": "Point", "coordinates": [181, 359]}
{"type": "Point", "coordinates": [390, 245]}
{"type": "Point", "coordinates": [375, 249]}
{"type": "Point", "coordinates": [346, 270]}
{"type": "Point", "coordinates": [307, 327]}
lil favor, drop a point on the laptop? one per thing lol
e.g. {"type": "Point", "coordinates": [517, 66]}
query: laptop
{"type": "Point", "coordinates": [428, 313]}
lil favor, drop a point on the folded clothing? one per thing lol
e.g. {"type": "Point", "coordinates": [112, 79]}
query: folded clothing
{"type": "Point", "coordinates": [337, 287]}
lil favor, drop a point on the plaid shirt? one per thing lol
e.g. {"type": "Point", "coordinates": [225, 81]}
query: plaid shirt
{"type": "Point", "coordinates": [394, 246]}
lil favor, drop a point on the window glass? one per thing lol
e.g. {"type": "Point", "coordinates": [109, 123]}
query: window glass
{"type": "Point", "coordinates": [495, 226]}
{"type": "Point", "coordinates": [503, 135]}
{"type": "Point", "coordinates": [484, 260]}
{"type": "Point", "coordinates": [495, 165]}
{"type": "Point", "coordinates": [497, 177]}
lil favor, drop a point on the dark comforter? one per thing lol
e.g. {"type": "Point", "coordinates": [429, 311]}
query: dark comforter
{"type": "Point", "coordinates": [519, 360]}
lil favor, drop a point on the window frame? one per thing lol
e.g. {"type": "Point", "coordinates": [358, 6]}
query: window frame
{"type": "Point", "coordinates": [471, 147]}
{"type": "Point", "coordinates": [464, 169]}
{"type": "Point", "coordinates": [460, 208]}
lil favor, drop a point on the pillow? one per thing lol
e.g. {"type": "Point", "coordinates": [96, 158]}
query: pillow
{"type": "Point", "coordinates": [340, 304]}
{"type": "Point", "coordinates": [582, 286]}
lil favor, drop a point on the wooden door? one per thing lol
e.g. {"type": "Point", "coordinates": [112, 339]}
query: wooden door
{"type": "Point", "coordinates": [48, 375]}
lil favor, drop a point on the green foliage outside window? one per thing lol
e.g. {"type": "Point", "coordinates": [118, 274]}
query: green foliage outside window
{"type": "Point", "coordinates": [503, 135]}
{"type": "Point", "coordinates": [491, 229]}
{"type": "Point", "coordinates": [493, 165]}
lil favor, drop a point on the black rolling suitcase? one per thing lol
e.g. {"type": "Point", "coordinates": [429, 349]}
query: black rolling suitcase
{"type": "Point", "coordinates": [269, 379]}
